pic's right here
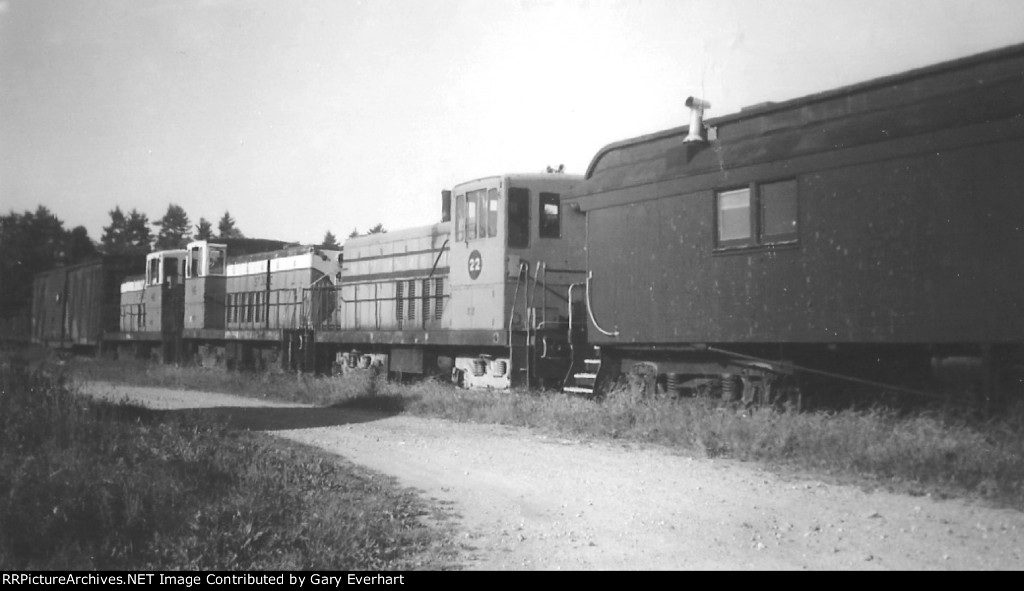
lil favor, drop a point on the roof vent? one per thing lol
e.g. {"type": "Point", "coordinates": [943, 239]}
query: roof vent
{"type": "Point", "coordinates": [697, 107]}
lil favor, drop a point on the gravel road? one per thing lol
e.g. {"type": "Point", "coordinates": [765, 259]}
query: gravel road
{"type": "Point", "coordinates": [530, 501]}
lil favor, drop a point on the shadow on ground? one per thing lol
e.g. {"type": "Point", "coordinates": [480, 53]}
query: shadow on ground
{"type": "Point", "coordinates": [267, 418]}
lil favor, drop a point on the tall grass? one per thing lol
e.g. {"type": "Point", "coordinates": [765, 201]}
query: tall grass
{"type": "Point", "coordinates": [929, 451]}
{"type": "Point", "coordinates": [936, 451]}
{"type": "Point", "coordinates": [92, 485]}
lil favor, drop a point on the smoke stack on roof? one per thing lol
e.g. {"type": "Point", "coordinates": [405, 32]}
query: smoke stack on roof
{"type": "Point", "coordinates": [697, 107]}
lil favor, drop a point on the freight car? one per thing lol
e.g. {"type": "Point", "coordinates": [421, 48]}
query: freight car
{"type": "Point", "coordinates": [76, 306]}
{"type": "Point", "coordinates": [863, 234]}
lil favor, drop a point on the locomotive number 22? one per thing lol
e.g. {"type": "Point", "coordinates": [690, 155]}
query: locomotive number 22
{"type": "Point", "coordinates": [476, 262]}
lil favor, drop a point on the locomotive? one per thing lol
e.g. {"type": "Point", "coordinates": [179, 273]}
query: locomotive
{"type": "Point", "coordinates": [867, 234]}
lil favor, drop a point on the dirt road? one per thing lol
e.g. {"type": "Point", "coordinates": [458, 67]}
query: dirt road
{"type": "Point", "coordinates": [532, 501]}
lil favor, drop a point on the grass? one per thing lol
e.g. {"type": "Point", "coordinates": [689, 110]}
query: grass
{"type": "Point", "coordinates": [941, 452]}
{"type": "Point", "coordinates": [92, 485]}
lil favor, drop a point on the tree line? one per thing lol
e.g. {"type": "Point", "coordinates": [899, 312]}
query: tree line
{"type": "Point", "coordinates": [36, 241]}
{"type": "Point", "coordinates": [131, 233]}
{"type": "Point", "coordinates": [32, 242]}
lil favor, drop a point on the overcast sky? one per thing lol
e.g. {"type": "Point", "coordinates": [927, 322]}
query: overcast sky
{"type": "Point", "coordinates": [300, 117]}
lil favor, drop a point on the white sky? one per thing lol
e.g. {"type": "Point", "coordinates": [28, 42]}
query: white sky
{"type": "Point", "coordinates": [313, 115]}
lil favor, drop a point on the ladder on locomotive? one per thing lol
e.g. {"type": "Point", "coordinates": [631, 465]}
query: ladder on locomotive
{"type": "Point", "coordinates": [585, 382]}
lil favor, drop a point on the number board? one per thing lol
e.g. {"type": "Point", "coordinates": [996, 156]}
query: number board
{"type": "Point", "coordinates": [476, 262]}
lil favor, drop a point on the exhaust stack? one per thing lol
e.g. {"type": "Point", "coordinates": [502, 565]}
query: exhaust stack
{"type": "Point", "coordinates": [697, 107]}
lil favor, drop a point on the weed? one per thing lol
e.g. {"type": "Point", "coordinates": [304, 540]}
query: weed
{"type": "Point", "coordinates": [92, 485]}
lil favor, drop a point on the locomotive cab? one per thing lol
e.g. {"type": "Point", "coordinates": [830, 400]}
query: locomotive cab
{"type": "Point", "coordinates": [515, 252]}
{"type": "Point", "coordinates": [205, 277]}
{"type": "Point", "coordinates": [152, 305]}
{"type": "Point", "coordinates": [205, 259]}
{"type": "Point", "coordinates": [164, 291]}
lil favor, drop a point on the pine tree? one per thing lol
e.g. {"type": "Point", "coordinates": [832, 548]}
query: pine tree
{"type": "Point", "coordinates": [78, 247]}
{"type": "Point", "coordinates": [226, 227]}
{"type": "Point", "coordinates": [204, 230]}
{"type": "Point", "coordinates": [126, 235]}
{"type": "Point", "coordinates": [113, 238]}
{"type": "Point", "coordinates": [30, 243]}
{"type": "Point", "coordinates": [175, 228]}
{"type": "Point", "coordinates": [137, 235]}
{"type": "Point", "coordinates": [329, 241]}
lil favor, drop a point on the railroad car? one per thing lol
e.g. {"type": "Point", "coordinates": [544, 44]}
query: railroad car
{"type": "Point", "coordinates": [75, 306]}
{"type": "Point", "coordinates": [391, 301]}
{"type": "Point", "coordinates": [18, 327]}
{"type": "Point", "coordinates": [151, 308]}
{"type": "Point", "coordinates": [206, 293]}
{"type": "Point", "coordinates": [483, 296]}
{"type": "Point", "coordinates": [274, 303]}
{"type": "Point", "coordinates": [206, 281]}
{"type": "Point", "coordinates": [851, 233]}
{"type": "Point", "coordinates": [132, 305]}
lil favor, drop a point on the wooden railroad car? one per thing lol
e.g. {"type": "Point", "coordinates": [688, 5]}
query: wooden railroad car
{"type": "Point", "coordinates": [76, 306]}
{"type": "Point", "coordinates": [873, 224]}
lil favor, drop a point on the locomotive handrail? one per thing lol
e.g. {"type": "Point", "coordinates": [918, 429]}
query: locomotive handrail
{"type": "Point", "coordinates": [438, 259]}
{"type": "Point", "coordinates": [590, 310]}
{"type": "Point", "coordinates": [572, 347]}
{"type": "Point", "coordinates": [512, 310]}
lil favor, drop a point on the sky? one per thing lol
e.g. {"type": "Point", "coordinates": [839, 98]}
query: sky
{"type": "Point", "coordinates": [307, 116]}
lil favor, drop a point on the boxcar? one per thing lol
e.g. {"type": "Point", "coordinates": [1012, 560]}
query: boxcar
{"type": "Point", "coordinates": [75, 306]}
{"type": "Point", "coordinates": [877, 221]}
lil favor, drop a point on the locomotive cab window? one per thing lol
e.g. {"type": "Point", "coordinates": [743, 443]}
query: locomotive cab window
{"type": "Point", "coordinates": [460, 218]}
{"type": "Point", "coordinates": [476, 215]}
{"type": "Point", "coordinates": [763, 214]}
{"type": "Point", "coordinates": [193, 269]}
{"type": "Point", "coordinates": [492, 213]}
{"type": "Point", "coordinates": [215, 262]}
{"type": "Point", "coordinates": [471, 212]}
{"type": "Point", "coordinates": [518, 217]}
{"type": "Point", "coordinates": [550, 216]}
{"type": "Point", "coordinates": [171, 270]}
